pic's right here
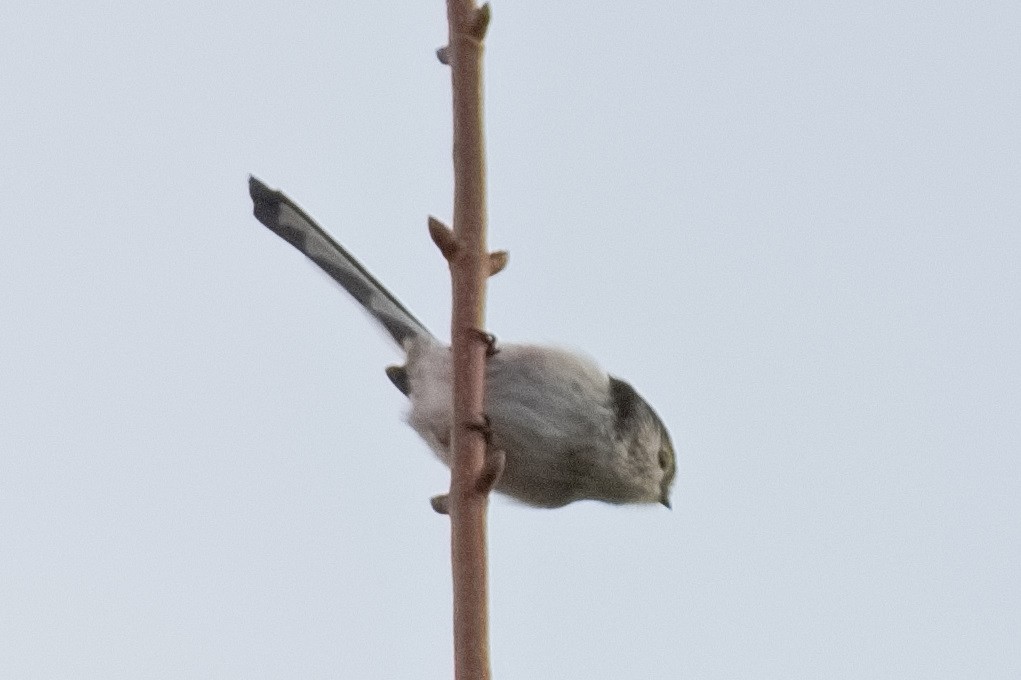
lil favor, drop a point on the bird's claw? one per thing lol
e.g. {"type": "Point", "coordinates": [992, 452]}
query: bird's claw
{"type": "Point", "coordinates": [487, 338]}
{"type": "Point", "coordinates": [483, 427]}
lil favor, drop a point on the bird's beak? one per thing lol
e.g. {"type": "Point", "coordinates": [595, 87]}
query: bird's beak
{"type": "Point", "coordinates": [665, 502]}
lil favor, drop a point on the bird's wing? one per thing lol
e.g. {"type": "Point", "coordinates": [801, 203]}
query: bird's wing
{"type": "Point", "coordinates": [292, 224]}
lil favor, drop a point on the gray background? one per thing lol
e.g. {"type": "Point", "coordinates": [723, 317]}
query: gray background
{"type": "Point", "coordinates": [794, 226]}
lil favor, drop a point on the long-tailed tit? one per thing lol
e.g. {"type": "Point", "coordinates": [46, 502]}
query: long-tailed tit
{"type": "Point", "coordinates": [569, 431]}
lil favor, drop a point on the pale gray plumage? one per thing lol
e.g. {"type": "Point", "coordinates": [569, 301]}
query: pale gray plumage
{"type": "Point", "coordinates": [568, 430]}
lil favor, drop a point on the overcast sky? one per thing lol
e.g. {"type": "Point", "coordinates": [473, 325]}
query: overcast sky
{"type": "Point", "coordinates": [794, 226]}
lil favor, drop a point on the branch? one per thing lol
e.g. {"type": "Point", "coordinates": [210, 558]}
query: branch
{"type": "Point", "coordinates": [464, 247]}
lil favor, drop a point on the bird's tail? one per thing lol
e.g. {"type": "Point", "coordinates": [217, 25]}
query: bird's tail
{"type": "Point", "coordinates": [292, 224]}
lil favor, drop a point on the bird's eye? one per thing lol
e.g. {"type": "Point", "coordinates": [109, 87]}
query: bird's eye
{"type": "Point", "coordinates": [664, 459]}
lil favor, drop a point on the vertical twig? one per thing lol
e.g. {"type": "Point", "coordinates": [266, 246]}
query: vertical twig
{"type": "Point", "coordinates": [470, 265]}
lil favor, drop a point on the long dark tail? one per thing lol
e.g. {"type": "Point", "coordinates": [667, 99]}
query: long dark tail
{"type": "Point", "coordinates": [292, 224]}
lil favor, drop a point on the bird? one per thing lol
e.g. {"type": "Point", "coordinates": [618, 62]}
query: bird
{"type": "Point", "coordinates": [568, 430]}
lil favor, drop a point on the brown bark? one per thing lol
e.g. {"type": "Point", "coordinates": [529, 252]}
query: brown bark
{"type": "Point", "coordinates": [470, 265]}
